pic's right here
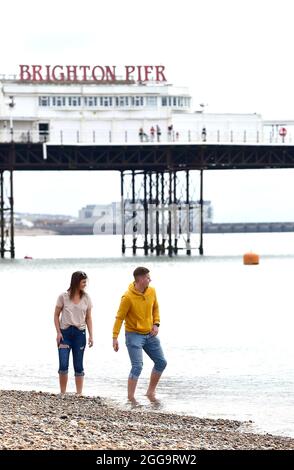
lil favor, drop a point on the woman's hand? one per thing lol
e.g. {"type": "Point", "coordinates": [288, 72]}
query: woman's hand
{"type": "Point", "coordinates": [59, 337]}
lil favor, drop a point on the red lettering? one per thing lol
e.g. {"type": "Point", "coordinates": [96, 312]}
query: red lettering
{"type": "Point", "coordinates": [129, 70]}
{"type": "Point", "coordinates": [110, 74]}
{"type": "Point", "coordinates": [160, 77]}
{"type": "Point", "coordinates": [37, 77]}
{"type": "Point", "coordinates": [24, 72]}
{"type": "Point", "coordinates": [139, 73]}
{"type": "Point", "coordinates": [148, 69]}
{"type": "Point", "coordinates": [60, 77]}
{"type": "Point", "coordinates": [98, 79]}
{"type": "Point", "coordinates": [47, 67]}
{"type": "Point", "coordinates": [60, 73]}
{"type": "Point", "coordinates": [71, 69]}
{"type": "Point", "coordinates": [84, 69]}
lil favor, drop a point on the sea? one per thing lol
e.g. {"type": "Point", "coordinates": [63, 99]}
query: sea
{"type": "Point", "coordinates": [226, 328]}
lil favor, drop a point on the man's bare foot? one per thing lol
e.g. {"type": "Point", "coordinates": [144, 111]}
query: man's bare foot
{"type": "Point", "coordinates": [151, 396]}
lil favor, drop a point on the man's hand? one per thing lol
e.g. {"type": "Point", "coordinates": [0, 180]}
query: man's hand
{"type": "Point", "coordinates": [115, 344]}
{"type": "Point", "coordinates": [154, 331]}
{"type": "Point", "coordinates": [90, 341]}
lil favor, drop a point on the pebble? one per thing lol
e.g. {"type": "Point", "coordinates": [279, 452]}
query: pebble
{"type": "Point", "coordinates": [39, 420]}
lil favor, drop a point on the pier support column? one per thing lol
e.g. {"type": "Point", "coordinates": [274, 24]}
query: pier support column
{"type": "Point", "coordinates": [134, 218]}
{"type": "Point", "coordinates": [157, 214]}
{"type": "Point", "coordinates": [169, 226]}
{"type": "Point", "coordinates": [162, 216]}
{"type": "Point", "coordinates": [6, 222]}
{"type": "Point", "coordinates": [145, 205]}
{"type": "Point", "coordinates": [201, 214]}
{"type": "Point", "coordinates": [11, 200]}
{"type": "Point", "coordinates": [122, 209]}
{"type": "Point", "coordinates": [2, 218]}
{"type": "Point", "coordinates": [188, 243]}
{"type": "Point", "coordinates": [151, 213]}
{"type": "Point", "coordinates": [175, 214]}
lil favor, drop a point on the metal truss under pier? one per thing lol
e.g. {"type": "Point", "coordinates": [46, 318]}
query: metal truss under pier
{"type": "Point", "coordinates": [156, 164]}
{"type": "Point", "coordinates": [152, 157]}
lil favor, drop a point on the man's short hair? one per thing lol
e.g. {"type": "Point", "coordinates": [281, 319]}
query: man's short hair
{"type": "Point", "coordinates": [140, 271]}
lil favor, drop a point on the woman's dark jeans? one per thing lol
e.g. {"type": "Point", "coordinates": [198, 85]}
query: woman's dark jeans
{"type": "Point", "coordinates": [75, 339]}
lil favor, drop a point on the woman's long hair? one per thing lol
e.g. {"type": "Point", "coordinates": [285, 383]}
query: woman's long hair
{"type": "Point", "coordinates": [74, 287]}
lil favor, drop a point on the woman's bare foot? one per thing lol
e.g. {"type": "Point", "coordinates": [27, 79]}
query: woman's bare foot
{"type": "Point", "coordinates": [133, 402]}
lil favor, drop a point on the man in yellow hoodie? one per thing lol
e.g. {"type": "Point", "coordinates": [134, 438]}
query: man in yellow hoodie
{"type": "Point", "coordinates": [139, 310]}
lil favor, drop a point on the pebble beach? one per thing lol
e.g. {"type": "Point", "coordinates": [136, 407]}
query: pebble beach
{"type": "Point", "coordinates": [45, 421]}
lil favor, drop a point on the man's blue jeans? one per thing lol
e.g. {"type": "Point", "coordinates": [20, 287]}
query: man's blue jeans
{"type": "Point", "coordinates": [136, 344]}
{"type": "Point", "coordinates": [75, 339]}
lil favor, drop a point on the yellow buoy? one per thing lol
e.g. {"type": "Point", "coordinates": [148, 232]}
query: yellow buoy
{"type": "Point", "coordinates": [250, 258]}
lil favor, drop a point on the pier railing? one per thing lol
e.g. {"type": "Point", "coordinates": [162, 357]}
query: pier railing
{"type": "Point", "coordinates": [131, 136]}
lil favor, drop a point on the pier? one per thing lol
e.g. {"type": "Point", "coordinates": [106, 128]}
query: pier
{"type": "Point", "coordinates": [157, 175]}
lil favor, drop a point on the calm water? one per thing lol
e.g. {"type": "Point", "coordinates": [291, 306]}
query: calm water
{"type": "Point", "coordinates": [227, 329]}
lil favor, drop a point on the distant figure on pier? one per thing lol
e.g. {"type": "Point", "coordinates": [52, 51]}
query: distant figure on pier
{"type": "Point", "coordinates": [139, 310]}
{"type": "Point", "coordinates": [177, 135]}
{"type": "Point", "coordinates": [71, 317]}
{"type": "Point", "coordinates": [152, 134]}
{"type": "Point", "coordinates": [158, 133]}
{"type": "Point", "coordinates": [170, 132]}
{"type": "Point", "coordinates": [203, 134]}
{"type": "Point", "coordinates": [141, 134]}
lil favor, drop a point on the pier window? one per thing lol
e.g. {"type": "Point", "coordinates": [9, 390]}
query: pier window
{"type": "Point", "coordinates": [44, 100]}
{"type": "Point", "coordinates": [90, 100]}
{"type": "Point", "coordinates": [175, 101]}
{"type": "Point", "coordinates": [58, 100]}
{"type": "Point", "coordinates": [151, 101]}
{"type": "Point", "coordinates": [105, 101]}
{"type": "Point", "coordinates": [122, 101]}
{"type": "Point", "coordinates": [137, 101]}
{"type": "Point", "coordinates": [74, 101]}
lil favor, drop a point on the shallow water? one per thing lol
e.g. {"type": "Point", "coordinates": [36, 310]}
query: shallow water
{"type": "Point", "coordinates": [226, 328]}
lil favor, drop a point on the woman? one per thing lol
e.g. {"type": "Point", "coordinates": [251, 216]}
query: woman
{"type": "Point", "coordinates": [72, 315]}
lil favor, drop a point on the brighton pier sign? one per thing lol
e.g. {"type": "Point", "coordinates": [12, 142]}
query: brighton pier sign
{"type": "Point", "coordinates": [88, 73]}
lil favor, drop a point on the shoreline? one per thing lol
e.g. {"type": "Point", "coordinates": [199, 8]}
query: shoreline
{"type": "Point", "coordinates": [31, 420]}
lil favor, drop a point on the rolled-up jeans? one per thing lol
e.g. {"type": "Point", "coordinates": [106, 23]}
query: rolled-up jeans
{"type": "Point", "coordinates": [75, 339]}
{"type": "Point", "coordinates": [136, 344]}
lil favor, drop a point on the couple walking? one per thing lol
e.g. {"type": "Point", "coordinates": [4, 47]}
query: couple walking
{"type": "Point", "coordinates": [138, 309]}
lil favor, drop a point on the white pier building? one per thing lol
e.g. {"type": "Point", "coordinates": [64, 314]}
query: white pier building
{"type": "Point", "coordinates": [69, 109]}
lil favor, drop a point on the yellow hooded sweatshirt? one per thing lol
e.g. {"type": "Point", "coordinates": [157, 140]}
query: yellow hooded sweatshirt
{"type": "Point", "coordinates": [139, 310]}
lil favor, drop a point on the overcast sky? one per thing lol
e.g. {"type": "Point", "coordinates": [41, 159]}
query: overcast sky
{"type": "Point", "coordinates": [234, 55]}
